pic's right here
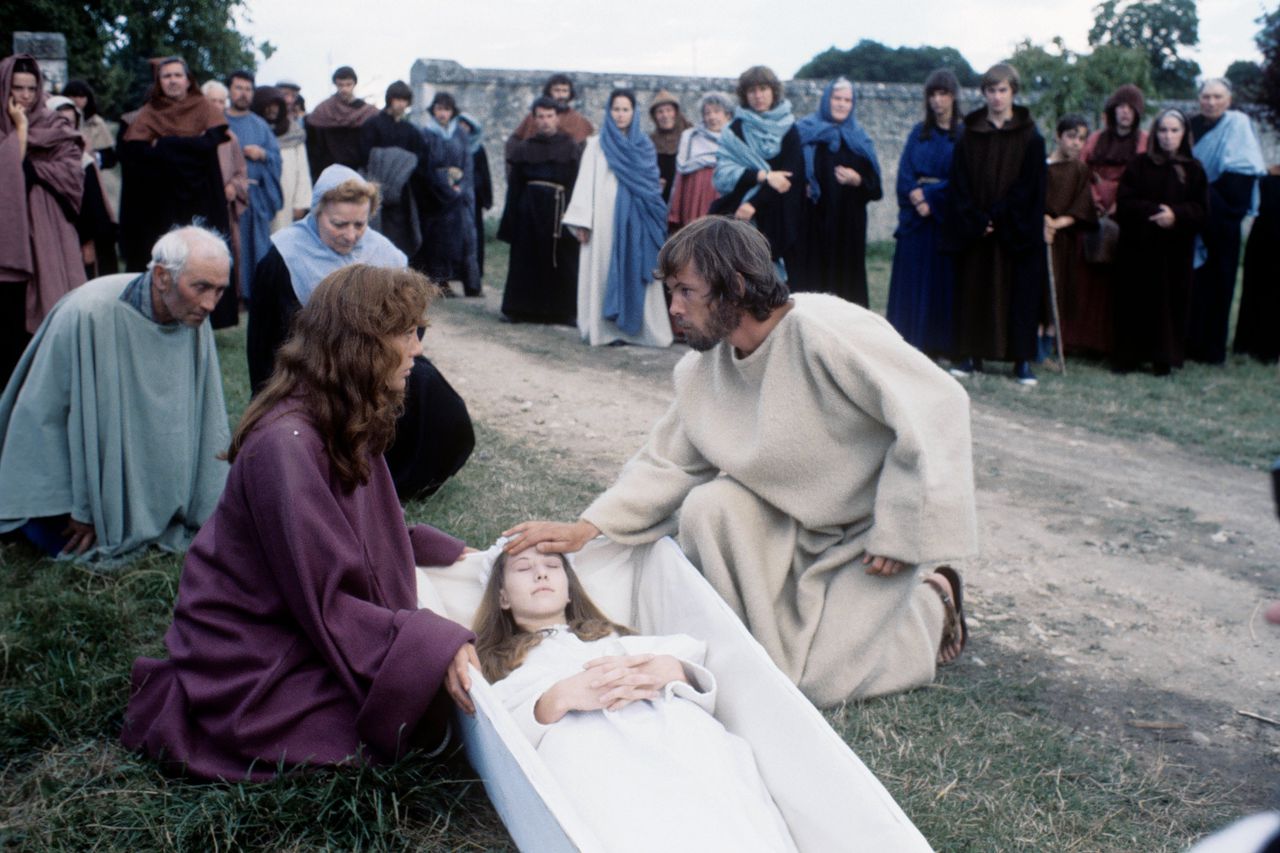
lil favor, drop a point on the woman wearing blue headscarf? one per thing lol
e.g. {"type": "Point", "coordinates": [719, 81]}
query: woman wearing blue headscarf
{"type": "Point", "coordinates": [448, 251]}
{"type": "Point", "coordinates": [842, 175]}
{"type": "Point", "coordinates": [760, 166]}
{"type": "Point", "coordinates": [434, 435]}
{"type": "Point", "coordinates": [618, 215]}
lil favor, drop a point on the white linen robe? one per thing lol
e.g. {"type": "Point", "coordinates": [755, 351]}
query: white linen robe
{"type": "Point", "coordinates": [295, 184]}
{"type": "Point", "coordinates": [834, 439]}
{"type": "Point", "coordinates": [595, 194]}
{"type": "Point", "coordinates": [655, 775]}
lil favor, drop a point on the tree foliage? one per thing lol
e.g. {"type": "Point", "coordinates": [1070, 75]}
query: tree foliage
{"type": "Point", "coordinates": [1067, 82]}
{"type": "Point", "coordinates": [1159, 28]}
{"type": "Point", "coordinates": [872, 62]}
{"type": "Point", "coordinates": [1246, 80]}
{"type": "Point", "coordinates": [1268, 41]}
{"type": "Point", "coordinates": [110, 41]}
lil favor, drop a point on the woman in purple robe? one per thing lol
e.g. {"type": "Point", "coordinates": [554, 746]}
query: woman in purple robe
{"type": "Point", "coordinates": [296, 638]}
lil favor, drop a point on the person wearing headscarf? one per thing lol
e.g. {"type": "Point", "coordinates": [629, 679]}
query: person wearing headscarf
{"type": "Point", "coordinates": [668, 124]}
{"type": "Point", "coordinates": [1259, 316]}
{"type": "Point", "coordinates": [760, 167]}
{"type": "Point", "coordinates": [94, 128]}
{"type": "Point", "coordinates": [41, 187]}
{"type": "Point", "coordinates": [95, 221]}
{"type": "Point", "coordinates": [1161, 204]}
{"type": "Point", "coordinates": [559, 87]}
{"type": "Point", "coordinates": [1112, 147]}
{"type": "Point", "coordinates": [542, 275]}
{"type": "Point", "coordinates": [694, 188]}
{"type": "Point", "coordinates": [842, 175]}
{"type": "Point", "coordinates": [169, 162]}
{"type": "Point", "coordinates": [234, 169]}
{"type": "Point", "coordinates": [448, 251]}
{"type": "Point", "coordinates": [258, 143]}
{"type": "Point", "coordinates": [333, 127]}
{"type": "Point", "coordinates": [392, 152]}
{"type": "Point", "coordinates": [295, 169]}
{"type": "Point", "coordinates": [996, 226]}
{"type": "Point", "coordinates": [620, 220]}
{"type": "Point", "coordinates": [434, 435]}
{"type": "Point", "coordinates": [1225, 144]}
{"type": "Point", "coordinates": [482, 181]}
{"type": "Point", "coordinates": [922, 283]}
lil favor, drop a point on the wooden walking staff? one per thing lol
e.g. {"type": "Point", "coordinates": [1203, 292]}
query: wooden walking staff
{"type": "Point", "coordinates": [1053, 303]}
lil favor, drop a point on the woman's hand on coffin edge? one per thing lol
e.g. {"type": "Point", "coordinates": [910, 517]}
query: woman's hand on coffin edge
{"type": "Point", "coordinates": [550, 537]}
{"type": "Point", "coordinates": [882, 566]}
{"type": "Point", "coordinates": [458, 681]}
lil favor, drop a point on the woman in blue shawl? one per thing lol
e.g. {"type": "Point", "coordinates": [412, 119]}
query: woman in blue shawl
{"type": "Point", "coordinates": [922, 285]}
{"type": "Point", "coordinates": [760, 166]}
{"type": "Point", "coordinates": [434, 435]}
{"type": "Point", "coordinates": [1225, 144]}
{"type": "Point", "coordinates": [842, 175]}
{"type": "Point", "coordinates": [448, 251]}
{"type": "Point", "coordinates": [618, 215]}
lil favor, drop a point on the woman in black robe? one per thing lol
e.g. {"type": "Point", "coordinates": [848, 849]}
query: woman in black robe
{"type": "Point", "coordinates": [843, 176]}
{"type": "Point", "coordinates": [434, 435]}
{"type": "Point", "coordinates": [759, 172]}
{"type": "Point", "coordinates": [542, 277]}
{"type": "Point", "coordinates": [1256, 328]}
{"type": "Point", "coordinates": [1161, 204]}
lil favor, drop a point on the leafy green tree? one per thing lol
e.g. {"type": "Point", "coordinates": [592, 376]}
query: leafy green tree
{"type": "Point", "coordinates": [872, 62]}
{"type": "Point", "coordinates": [1268, 41]}
{"type": "Point", "coordinates": [1062, 81]}
{"type": "Point", "coordinates": [1246, 80]}
{"type": "Point", "coordinates": [110, 41]}
{"type": "Point", "coordinates": [1160, 28]}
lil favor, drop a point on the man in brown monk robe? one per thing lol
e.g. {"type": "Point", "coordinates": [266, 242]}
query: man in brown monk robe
{"type": "Point", "coordinates": [997, 230]}
{"type": "Point", "coordinates": [333, 127]}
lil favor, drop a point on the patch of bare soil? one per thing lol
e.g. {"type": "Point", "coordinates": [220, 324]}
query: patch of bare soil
{"type": "Point", "coordinates": [1124, 577]}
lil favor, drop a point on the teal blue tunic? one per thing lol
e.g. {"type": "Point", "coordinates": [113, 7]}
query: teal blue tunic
{"type": "Point", "coordinates": [116, 420]}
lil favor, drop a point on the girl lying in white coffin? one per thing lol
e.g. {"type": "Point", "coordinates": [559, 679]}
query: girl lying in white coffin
{"type": "Point", "coordinates": [624, 722]}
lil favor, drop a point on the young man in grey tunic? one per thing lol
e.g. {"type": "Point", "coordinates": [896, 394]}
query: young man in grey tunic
{"type": "Point", "coordinates": [813, 465]}
{"type": "Point", "coordinates": [112, 423]}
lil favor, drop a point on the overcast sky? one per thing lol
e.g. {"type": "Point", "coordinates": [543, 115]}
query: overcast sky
{"type": "Point", "coordinates": [381, 39]}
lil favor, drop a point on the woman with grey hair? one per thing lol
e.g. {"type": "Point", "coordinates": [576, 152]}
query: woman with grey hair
{"type": "Point", "coordinates": [694, 189]}
{"type": "Point", "coordinates": [1225, 144]}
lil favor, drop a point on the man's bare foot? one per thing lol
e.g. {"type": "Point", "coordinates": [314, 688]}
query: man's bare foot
{"type": "Point", "coordinates": [955, 633]}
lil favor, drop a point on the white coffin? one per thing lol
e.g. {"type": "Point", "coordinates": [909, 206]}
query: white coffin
{"type": "Point", "coordinates": [829, 798]}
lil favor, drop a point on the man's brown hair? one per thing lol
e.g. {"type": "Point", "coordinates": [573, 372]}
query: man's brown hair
{"type": "Point", "coordinates": [734, 259]}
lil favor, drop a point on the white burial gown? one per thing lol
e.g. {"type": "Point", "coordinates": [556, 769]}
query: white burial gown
{"type": "Point", "coordinates": [655, 775]}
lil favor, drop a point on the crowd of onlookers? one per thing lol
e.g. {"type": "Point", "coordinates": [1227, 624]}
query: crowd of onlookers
{"type": "Point", "coordinates": [1143, 217]}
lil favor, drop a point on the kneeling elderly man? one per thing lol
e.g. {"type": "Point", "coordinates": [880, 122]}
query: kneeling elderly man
{"type": "Point", "coordinates": [812, 464]}
{"type": "Point", "coordinates": [111, 425]}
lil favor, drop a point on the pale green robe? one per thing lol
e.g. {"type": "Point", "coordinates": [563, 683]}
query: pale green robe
{"type": "Point", "coordinates": [835, 438]}
{"type": "Point", "coordinates": [116, 420]}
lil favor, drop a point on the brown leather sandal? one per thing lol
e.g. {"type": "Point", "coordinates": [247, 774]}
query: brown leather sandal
{"type": "Point", "coordinates": [955, 632]}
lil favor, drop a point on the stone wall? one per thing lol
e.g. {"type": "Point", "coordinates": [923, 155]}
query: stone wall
{"type": "Point", "coordinates": [50, 51]}
{"type": "Point", "coordinates": [500, 98]}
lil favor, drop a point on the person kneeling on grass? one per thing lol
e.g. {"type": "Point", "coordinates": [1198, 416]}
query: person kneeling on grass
{"type": "Point", "coordinates": [296, 637]}
{"type": "Point", "coordinates": [624, 722]}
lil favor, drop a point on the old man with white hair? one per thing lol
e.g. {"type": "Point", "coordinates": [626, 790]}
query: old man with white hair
{"type": "Point", "coordinates": [112, 423]}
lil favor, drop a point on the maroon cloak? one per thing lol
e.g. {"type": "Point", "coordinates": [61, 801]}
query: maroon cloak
{"type": "Point", "coordinates": [40, 195]}
{"type": "Point", "coordinates": [296, 635]}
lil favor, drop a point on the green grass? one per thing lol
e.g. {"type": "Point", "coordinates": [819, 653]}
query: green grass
{"type": "Point", "coordinates": [976, 761]}
{"type": "Point", "coordinates": [1230, 413]}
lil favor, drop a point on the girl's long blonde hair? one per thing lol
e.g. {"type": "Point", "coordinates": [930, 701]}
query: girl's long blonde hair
{"type": "Point", "coordinates": [502, 645]}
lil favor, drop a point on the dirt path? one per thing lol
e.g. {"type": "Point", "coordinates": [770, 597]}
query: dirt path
{"type": "Point", "coordinates": [1127, 575]}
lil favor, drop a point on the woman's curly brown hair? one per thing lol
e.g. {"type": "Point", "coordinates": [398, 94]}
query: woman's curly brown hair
{"type": "Point", "coordinates": [337, 361]}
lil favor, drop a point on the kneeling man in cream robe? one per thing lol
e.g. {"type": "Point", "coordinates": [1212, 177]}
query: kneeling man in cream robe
{"type": "Point", "coordinates": [813, 465]}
